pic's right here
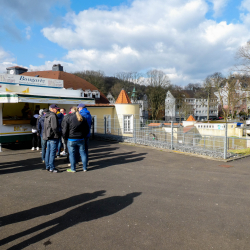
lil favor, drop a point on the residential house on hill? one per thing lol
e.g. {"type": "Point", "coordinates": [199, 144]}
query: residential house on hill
{"type": "Point", "coordinates": [179, 105]}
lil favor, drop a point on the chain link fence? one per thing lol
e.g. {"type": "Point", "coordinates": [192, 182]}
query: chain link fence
{"type": "Point", "coordinates": [171, 136]}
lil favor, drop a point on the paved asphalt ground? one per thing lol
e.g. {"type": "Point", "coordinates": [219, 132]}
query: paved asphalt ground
{"type": "Point", "coordinates": [131, 198]}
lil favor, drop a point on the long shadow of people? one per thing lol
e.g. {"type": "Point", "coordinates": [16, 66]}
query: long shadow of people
{"type": "Point", "coordinates": [116, 159]}
{"type": "Point", "coordinates": [87, 212]}
{"type": "Point", "coordinates": [50, 208]}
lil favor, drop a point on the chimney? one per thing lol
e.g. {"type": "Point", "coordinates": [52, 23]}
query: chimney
{"type": "Point", "coordinates": [57, 67]}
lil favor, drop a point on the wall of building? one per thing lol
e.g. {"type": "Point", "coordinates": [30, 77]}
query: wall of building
{"type": "Point", "coordinates": [214, 129]}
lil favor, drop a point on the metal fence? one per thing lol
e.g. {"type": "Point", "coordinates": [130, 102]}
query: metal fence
{"type": "Point", "coordinates": [172, 136]}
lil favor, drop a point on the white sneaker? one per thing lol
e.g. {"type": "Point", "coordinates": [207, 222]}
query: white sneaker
{"type": "Point", "coordinates": [63, 153]}
{"type": "Point", "coordinates": [69, 165]}
{"type": "Point", "coordinates": [33, 148]}
{"type": "Point", "coordinates": [37, 148]}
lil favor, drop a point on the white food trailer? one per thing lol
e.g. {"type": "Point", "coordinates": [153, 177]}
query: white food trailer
{"type": "Point", "coordinates": [39, 93]}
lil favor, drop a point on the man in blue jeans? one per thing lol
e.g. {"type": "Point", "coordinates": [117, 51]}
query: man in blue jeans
{"type": "Point", "coordinates": [51, 134]}
{"type": "Point", "coordinates": [85, 113]}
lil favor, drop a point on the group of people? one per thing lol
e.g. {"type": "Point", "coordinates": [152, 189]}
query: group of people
{"type": "Point", "coordinates": [54, 128]}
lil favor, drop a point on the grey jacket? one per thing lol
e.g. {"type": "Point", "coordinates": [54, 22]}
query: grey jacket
{"type": "Point", "coordinates": [50, 130]}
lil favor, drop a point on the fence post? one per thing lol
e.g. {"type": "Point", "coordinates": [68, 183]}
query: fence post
{"type": "Point", "coordinates": [183, 138]}
{"type": "Point", "coordinates": [134, 130]}
{"type": "Point", "coordinates": [225, 143]}
{"type": "Point", "coordinates": [105, 125]}
{"type": "Point", "coordinates": [204, 141]}
{"type": "Point", "coordinates": [233, 143]}
{"type": "Point", "coordinates": [172, 135]}
{"type": "Point", "coordinates": [93, 128]}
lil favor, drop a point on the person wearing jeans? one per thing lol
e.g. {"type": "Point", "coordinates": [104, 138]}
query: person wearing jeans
{"type": "Point", "coordinates": [50, 154]}
{"type": "Point", "coordinates": [85, 113]}
{"type": "Point", "coordinates": [51, 134]}
{"type": "Point", "coordinates": [75, 129]}
{"type": "Point", "coordinates": [40, 127]}
{"type": "Point", "coordinates": [77, 147]}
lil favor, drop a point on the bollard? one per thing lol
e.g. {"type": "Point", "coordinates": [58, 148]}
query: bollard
{"type": "Point", "coordinates": [105, 126]}
{"type": "Point", "coordinates": [134, 130]}
{"type": "Point", "coordinates": [93, 128]}
{"type": "Point", "coordinates": [225, 143]}
{"type": "Point", "coordinates": [172, 135]}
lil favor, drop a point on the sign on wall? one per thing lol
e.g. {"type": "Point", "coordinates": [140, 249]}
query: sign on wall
{"type": "Point", "coordinates": [31, 81]}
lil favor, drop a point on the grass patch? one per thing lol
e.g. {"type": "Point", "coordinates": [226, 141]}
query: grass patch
{"type": "Point", "coordinates": [245, 151]}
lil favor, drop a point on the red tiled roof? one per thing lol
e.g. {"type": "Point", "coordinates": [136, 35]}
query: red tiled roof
{"type": "Point", "coordinates": [123, 98]}
{"type": "Point", "coordinates": [154, 124]}
{"type": "Point", "coordinates": [158, 124]}
{"type": "Point", "coordinates": [70, 81]}
{"type": "Point", "coordinates": [169, 124]}
{"type": "Point", "coordinates": [191, 119]}
{"type": "Point", "coordinates": [187, 128]}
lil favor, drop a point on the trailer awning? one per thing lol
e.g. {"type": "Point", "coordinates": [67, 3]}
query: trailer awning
{"type": "Point", "coordinates": [16, 98]}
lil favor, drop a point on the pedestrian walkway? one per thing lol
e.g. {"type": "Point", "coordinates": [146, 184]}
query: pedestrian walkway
{"type": "Point", "coordinates": [130, 198]}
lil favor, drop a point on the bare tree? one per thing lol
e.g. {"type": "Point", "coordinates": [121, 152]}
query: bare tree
{"type": "Point", "coordinates": [97, 78]}
{"type": "Point", "coordinates": [230, 93]}
{"type": "Point", "coordinates": [208, 86]}
{"type": "Point", "coordinates": [243, 55]}
{"type": "Point", "coordinates": [158, 82]}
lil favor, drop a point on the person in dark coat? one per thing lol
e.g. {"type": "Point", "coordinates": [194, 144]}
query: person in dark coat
{"type": "Point", "coordinates": [85, 113]}
{"type": "Point", "coordinates": [40, 127]}
{"type": "Point", "coordinates": [75, 129]}
{"type": "Point", "coordinates": [35, 137]}
{"type": "Point", "coordinates": [60, 117]}
{"type": "Point", "coordinates": [51, 134]}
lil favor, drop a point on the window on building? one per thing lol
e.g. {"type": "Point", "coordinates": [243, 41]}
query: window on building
{"type": "Point", "coordinates": [128, 123]}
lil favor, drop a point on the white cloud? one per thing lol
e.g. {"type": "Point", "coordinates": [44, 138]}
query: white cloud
{"type": "Point", "coordinates": [6, 60]}
{"type": "Point", "coordinates": [40, 55]}
{"type": "Point", "coordinates": [28, 31]}
{"type": "Point", "coordinates": [218, 6]}
{"type": "Point", "coordinates": [245, 5]}
{"type": "Point", "coordinates": [173, 34]}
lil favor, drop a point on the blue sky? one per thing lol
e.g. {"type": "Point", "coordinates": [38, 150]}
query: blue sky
{"type": "Point", "coordinates": [187, 39]}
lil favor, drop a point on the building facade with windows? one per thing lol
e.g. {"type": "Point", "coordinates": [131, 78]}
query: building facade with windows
{"type": "Point", "coordinates": [179, 107]}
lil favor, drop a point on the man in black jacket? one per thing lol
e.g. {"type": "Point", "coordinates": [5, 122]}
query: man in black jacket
{"type": "Point", "coordinates": [51, 135]}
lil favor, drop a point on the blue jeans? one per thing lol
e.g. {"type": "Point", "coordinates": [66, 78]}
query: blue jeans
{"type": "Point", "coordinates": [75, 147]}
{"type": "Point", "coordinates": [51, 153]}
{"type": "Point", "coordinates": [43, 145]}
{"type": "Point", "coordinates": [59, 146]}
{"type": "Point", "coordinates": [87, 149]}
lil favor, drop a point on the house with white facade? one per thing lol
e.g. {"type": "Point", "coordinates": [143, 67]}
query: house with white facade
{"type": "Point", "coordinates": [178, 107]}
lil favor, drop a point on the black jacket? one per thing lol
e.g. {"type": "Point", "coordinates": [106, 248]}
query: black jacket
{"type": "Point", "coordinates": [50, 130]}
{"type": "Point", "coordinates": [73, 129]}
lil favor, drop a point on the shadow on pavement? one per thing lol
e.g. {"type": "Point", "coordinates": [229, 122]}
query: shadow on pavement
{"type": "Point", "coordinates": [87, 212]}
{"type": "Point", "coordinates": [49, 208]}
